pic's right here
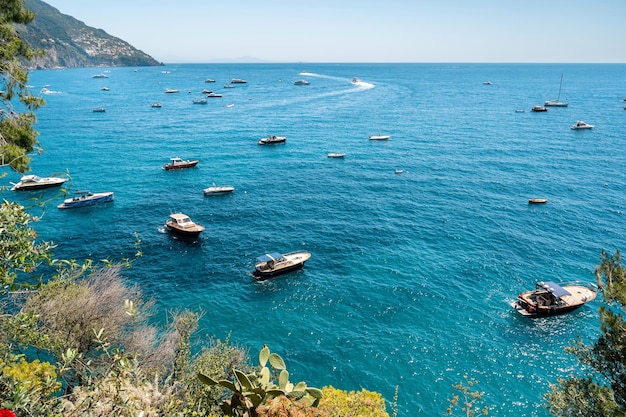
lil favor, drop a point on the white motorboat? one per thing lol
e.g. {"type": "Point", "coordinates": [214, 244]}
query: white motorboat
{"type": "Point", "coordinates": [580, 125]}
{"type": "Point", "coordinates": [86, 198]}
{"type": "Point", "coordinates": [219, 189]}
{"type": "Point", "coordinates": [34, 182]}
{"type": "Point", "coordinates": [273, 264]}
{"type": "Point", "coordinates": [379, 137]}
{"type": "Point", "coordinates": [336, 155]}
{"type": "Point", "coordinates": [271, 139]}
{"type": "Point", "coordinates": [301, 82]}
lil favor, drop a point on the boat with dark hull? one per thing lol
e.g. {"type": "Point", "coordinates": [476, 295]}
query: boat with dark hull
{"type": "Point", "coordinates": [178, 163]}
{"type": "Point", "coordinates": [272, 139]}
{"type": "Point", "coordinates": [180, 224]}
{"type": "Point", "coordinates": [86, 198]}
{"type": "Point", "coordinates": [34, 182]}
{"type": "Point", "coordinates": [273, 264]}
{"type": "Point", "coordinates": [551, 299]}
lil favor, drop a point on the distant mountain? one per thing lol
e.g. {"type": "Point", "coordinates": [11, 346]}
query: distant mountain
{"type": "Point", "coordinates": [69, 43]}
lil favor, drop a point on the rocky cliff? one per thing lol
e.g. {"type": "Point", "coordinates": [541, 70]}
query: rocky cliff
{"type": "Point", "coordinates": [69, 43]}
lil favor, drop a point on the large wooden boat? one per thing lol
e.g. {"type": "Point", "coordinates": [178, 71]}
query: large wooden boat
{"type": "Point", "coordinates": [180, 224]}
{"type": "Point", "coordinates": [550, 299]}
{"type": "Point", "coordinates": [274, 264]}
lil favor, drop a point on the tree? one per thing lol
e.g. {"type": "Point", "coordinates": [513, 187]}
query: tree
{"type": "Point", "coordinates": [602, 393]}
{"type": "Point", "coordinates": [17, 134]}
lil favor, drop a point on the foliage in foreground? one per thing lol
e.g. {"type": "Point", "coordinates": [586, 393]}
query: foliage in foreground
{"type": "Point", "coordinates": [603, 392]}
{"type": "Point", "coordinates": [467, 400]}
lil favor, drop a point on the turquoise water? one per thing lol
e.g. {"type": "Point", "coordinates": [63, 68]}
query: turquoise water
{"type": "Point", "coordinates": [411, 274]}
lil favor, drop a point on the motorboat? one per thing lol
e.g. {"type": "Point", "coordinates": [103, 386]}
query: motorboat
{"type": "Point", "coordinates": [379, 137]}
{"type": "Point", "coordinates": [171, 91]}
{"type": "Point", "coordinates": [200, 101]}
{"type": "Point", "coordinates": [271, 139]}
{"type": "Point", "coordinates": [181, 225]}
{"type": "Point", "coordinates": [230, 105]}
{"type": "Point", "coordinates": [205, 91]}
{"type": "Point", "coordinates": [34, 182]}
{"type": "Point", "coordinates": [99, 110]}
{"type": "Point", "coordinates": [105, 89]}
{"type": "Point", "coordinates": [229, 85]}
{"type": "Point", "coordinates": [301, 82]}
{"type": "Point", "coordinates": [209, 80]}
{"type": "Point", "coordinates": [156, 105]}
{"type": "Point", "coordinates": [213, 95]}
{"type": "Point", "coordinates": [238, 81]}
{"type": "Point", "coordinates": [336, 155]}
{"type": "Point", "coordinates": [487, 82]}
{"type": "Point", "coordinates": [219, 189]}
{"type": "Point", "coordinates": [85, 198]}
{"type": "Point", "coordinates": [274, 264]}
{"type": "Point", "coordinates": [549, 299]}
{"type": "Point", "coordinates": [178, 163]}
{"type": "Point", "coordinates": [539, 109]}
{"type": "Point", "coordinates": [398, 171]}
{"type": "Point", "coordinates": [101, 75]}
{"type": "Point", "coordinates": [581, 125]}
{"type": "Point", "coordinates": [537, 200]}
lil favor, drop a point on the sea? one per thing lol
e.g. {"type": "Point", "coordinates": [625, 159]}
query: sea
{"type": "Point", "coordinates": [419, 243]}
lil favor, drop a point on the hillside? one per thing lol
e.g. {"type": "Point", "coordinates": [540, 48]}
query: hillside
{"type": "Point", "coordinates": [69, 43]}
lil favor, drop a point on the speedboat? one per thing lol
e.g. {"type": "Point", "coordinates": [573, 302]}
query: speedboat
{"type": "Point", "coordinates": [86, 198]}
{"type": "Point", "coordinates": [379, 137]}
{"type": "Point", "coordinates": [209, 80]}
{"type": "Point", "coordinates": [99, 110]}
{"type": "Point", "coordinates": [274, 264]}
{"type": "Point", "coordinates": [537, 200]}
{"type": "Point", "coordinates": [180, 224]}
{"type": "Point", "coordinates": [33, 182]}
{"type": "Point", "coordinates": [238, 81]}
{"type": "Point", "coordinates": [156, 105]}
{"type": "Point", "coordinates": [218, 189]}
{"type": "Point", "coordinates": [549, 299]}
{"type": "Point", "coordinates": [581, 125]}
{"type": "Point", "coordinates": [171, 91]}
{"type": "Point", "coordinates": [178, 163]}
{"type": "Point", "coordinates": [271, 139]}
{"type": "Point", "coordinates": [200, 101]}
{"type": "Point", "coordinates": [336, 155]}
{"type": "Point", "coordinates": [538, 109]}
{"type": "Point", "coordinates": [301, 82]}
{"type": "Point", "coordinates": [102, 75]}
{"type": "Point", "coordinates": [213, 95]}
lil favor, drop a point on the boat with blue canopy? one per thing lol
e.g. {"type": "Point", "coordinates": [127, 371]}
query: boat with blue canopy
{"type": "Point", "coordinates": [273, 264]}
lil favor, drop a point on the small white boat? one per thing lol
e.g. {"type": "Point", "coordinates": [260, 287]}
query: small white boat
{"type": "Point", "coordinates": [101, 75]}
{"type": "Point", "coordinates": [301, 82]}
{"type": "Point", "coordinates": [398, 171]}
{"type": "Point", "coordinates": [537, 200]}
{"type": "Point", "coordinates": [238, 81]}
{"type": "Point", "coordinates": [520, 111]}
{"type": "Point", "coordinates": [171, 91]}
{"type": "Point", "coordinates": [218, 189]}
{"type": "Point", "coordinates": [379, 137]}
{"type": "Point", "coordinates": [200, 101]}
{"type": "Point", "coordinates": [230, 105]}
{"type": "Point", "coordinates": [105, 89]}
{"type": "Point", "coordinates": [156, 105]}
{"type": "Point", "coordinates": [86, 198]}
{"type": "Point", "coordinates": [336, 155]}
{"type": "Point", "coordinates": [209, 80]}
{"type": "Point", "coordinates": [581, 125]}
{"type": "Point", "coordinates": [271, 139]}
{"type": "Point", "coordinates": [99, 110]}
{"type": "Point", "coordinates": [229, 85]}
{"type": "Point", "coordinates": [34, 182]}
{"type": "Point", "coordinates": [487, 82]}
{"type": "Point", "coordinates": [214, 95]}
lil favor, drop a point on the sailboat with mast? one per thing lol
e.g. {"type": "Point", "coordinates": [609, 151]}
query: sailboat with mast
{"type": "Point", "coordinates": [557, 102]}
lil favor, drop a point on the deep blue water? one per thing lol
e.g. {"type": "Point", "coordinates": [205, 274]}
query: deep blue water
{"type": "Point", "coordinates": [411, 274]}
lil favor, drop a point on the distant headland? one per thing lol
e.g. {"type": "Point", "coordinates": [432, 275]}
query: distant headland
{"type": "Point", "coordinates": [69, 43]}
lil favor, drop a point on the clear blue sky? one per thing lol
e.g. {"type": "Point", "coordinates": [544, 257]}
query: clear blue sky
{"type": "Point", "coordinates": [363, 31]}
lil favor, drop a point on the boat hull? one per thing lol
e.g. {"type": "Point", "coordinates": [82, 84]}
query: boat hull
{"type": "Point", "coordinates": [280, 265]}
{"type": "Point", "coordinates": [541, 311]}
{"type": "Point", "coordinates": [170, 167]}
{"type": "Point", "coordinates": [86, 202]}
{"type": "Point", "coordinates": [36, 186]}
{"type": "Point", "coordinates": [263, 275]}
{"type": "Point", "coordinates": [182, 232]}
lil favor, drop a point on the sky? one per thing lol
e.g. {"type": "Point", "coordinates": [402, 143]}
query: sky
{"type": "Point", "coordinates": [327, 31]}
